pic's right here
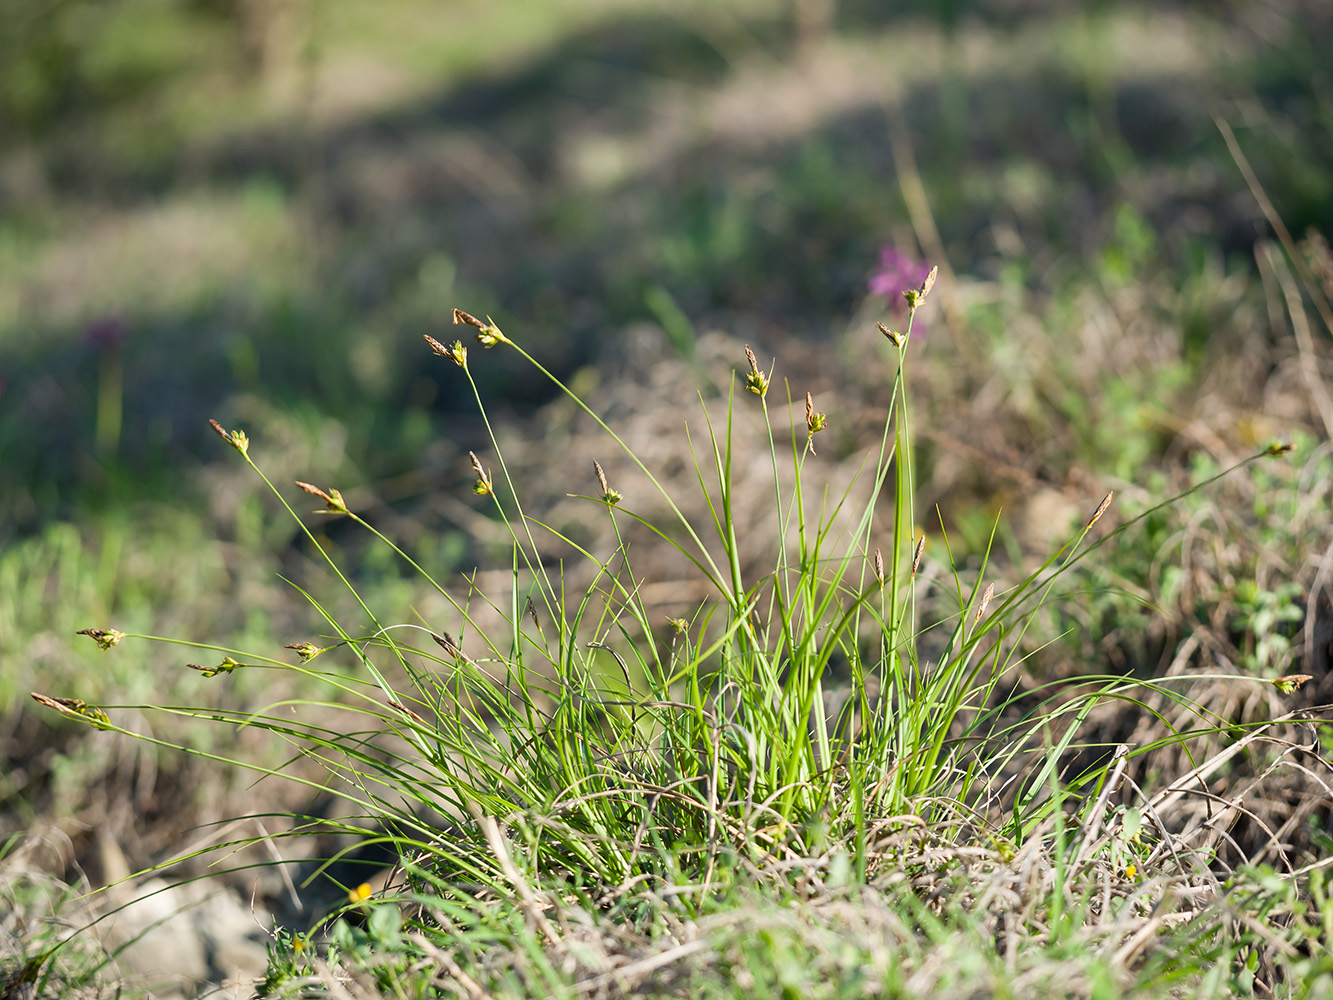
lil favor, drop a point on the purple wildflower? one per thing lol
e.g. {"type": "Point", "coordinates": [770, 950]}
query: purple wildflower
{"type": "Point", "coordinates": [105, 334]}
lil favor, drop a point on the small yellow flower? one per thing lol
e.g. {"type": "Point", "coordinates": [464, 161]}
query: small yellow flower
{"type": "Point", "coordinates": [225, 667]}
{"type": "Point", "coordinates": [307, 650]}
{"type": "Point", "coordinates": [483, 486]}
{"type": "Point", "coordinates": [333, 500]}
{"type": "Point", "coordinates": [75, 708]}
{"type": "Point", "coordinates": [104, 637]}
{"type": "Point", "coordinates": [1290, 683]}
{"type": "Point", "coordinates": [236, 439]}
{"type": "Point", "coordinates": [455, 352]}
{"type": "Point", "coordinates": [894, 337]}
{"type": "Point", "coordinates": [1131, 871]}
{"type": "Point", "coordinates": [814, 422]}
{"type": "Point", "coordinates": [756, 381]}
{"type": "Point", "coordinates": [611, 496]}
{"type": "Point", "coordinates": [360, 894]}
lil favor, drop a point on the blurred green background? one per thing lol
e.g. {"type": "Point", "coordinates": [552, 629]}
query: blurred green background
{"type": "Point", "coordinates": [253, 209]}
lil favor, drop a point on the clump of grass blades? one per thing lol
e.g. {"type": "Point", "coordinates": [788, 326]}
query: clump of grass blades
{"type": "Point", "coordinates": [586, 752]}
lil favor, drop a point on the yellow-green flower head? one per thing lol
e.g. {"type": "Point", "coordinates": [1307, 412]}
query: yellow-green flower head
{"type": "Point", "coordinates": [756, 381]}
{"type": "Point", "coordinates": [104, 637]}
{"type": "Point", "coordinates": [237, 439]}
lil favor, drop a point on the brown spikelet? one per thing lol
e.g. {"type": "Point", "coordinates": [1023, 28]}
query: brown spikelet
{"type": "Point", "coordinates": [396, 704]}
{"type": "Point", "coordinates": [446, 642]}
{"type": "Point", "coordinates": [893, 336]}
{"type": "Point", "coordinates": [985, 602]}
{"type": "Point", "coordinates": [1101, 509]}
{"type": "Point", "coordinates": [1290, 683]}
{"type": "Point", "coordinates": [237, 439]}
{"type": "Point", "coordinates": [467, 319]}
{"type": "Point", "coordinates": [104, 637]}
{"type": "Point", "coordinates": [609, 495]}
{"type": "Point", "coordinates": [532, 613]}
{"type": "Point", "coordinates": [755, 381]}
{"type": "Point", "coordinates": [333, 500]}
{"type": "Point", "coordinates": [455, 352]}
{"type": "Point", "coordinates": [814, 422]}
{"type": "Point", "coordinates": [483, 486]}
{"type": "Point", "coordinates": [879, 567]}
{"type": "Point", "coordinates": [74, 708]}
{"type": "Point", "coordinates": [916, 553]}
{"type": "Point", "coordinates": [929, 283]}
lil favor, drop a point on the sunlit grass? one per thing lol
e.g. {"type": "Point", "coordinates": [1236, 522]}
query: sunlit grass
{"type": "Point", "coordinates": [581, 748]}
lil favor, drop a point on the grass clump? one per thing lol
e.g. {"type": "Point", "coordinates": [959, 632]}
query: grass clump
{"type": "Point", "coordinates": [828, 778]}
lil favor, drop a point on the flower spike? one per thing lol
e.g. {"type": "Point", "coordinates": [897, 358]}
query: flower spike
{"type": "Point", "coordinates": [814, 422]}
{"type": "Point", "coordinates": [756, 381]}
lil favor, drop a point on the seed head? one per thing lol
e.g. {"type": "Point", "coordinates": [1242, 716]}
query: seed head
{"type": "Point", "coordinates": [894, 337]}
{"type": "Point", "coordinates": [537, 622]}
{"type": "Point", "coordinates": [879, 567]}
{"type": "Point", "coordinates": [455, 352]}
{"type": "Point", "coordinates": [985, 602]}
{"type": "Point", "coordinates": [756, 381]}
{"type": "Point", "coordinates": [916, 553]}
{"type": "Point", "coordinates": [446, 642]}
{"type": "Point", "coordinates": [394, 703]}
{"type": "Point", "coordinates": [814, 422]}
{"type": "Point", "coordinates": [1279, 448]}
{"type": "Point", "coordinates": [928, 284]}
{"type": "Point", "coordinates": [678, 625]}
{"type": "Point", "coordinates": [467, 319]}
{"type": "Point", "coordinates": [75, 708]}
{"type": "Point", "coordinates": [237, 439]}
{"type": "Point", "coordinates": [1101, 509]}
{"type": "Point", "coordinates": [916, 296]}
{"type": "Point", "coordinates": [333, 500]}
{"type": "Point", "coordinates": [225, 667]}
{"type": "Point", "coordinates": [308, 650]}
{"type": "Point", "coordinates": [488, 334]}
{"type": "Point", "coordinates": [483, 486]}
{"type": "Point", "coordinates": [609, 495]}
{"type": "Point", "coordinates": [104, 637]}
{"type": "Point", "coordinates": [1290, 683]}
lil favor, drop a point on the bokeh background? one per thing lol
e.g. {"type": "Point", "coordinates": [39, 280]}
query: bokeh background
{"type": "Point", "coordinates": [253, 210]}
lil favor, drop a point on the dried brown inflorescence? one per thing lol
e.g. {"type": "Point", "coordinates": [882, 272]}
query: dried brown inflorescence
{"type": "Point", "coordinates": [333, 500]}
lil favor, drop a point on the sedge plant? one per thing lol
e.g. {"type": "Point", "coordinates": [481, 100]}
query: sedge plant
{"type": "Point", "coordinates": [591, 745]}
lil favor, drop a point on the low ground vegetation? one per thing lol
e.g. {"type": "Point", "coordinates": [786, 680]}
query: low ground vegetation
{"type": "Point", "coordinates": [773, 771]}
